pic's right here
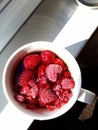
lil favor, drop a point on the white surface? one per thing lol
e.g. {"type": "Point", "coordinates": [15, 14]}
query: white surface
{"type": "Point", "coordinates": [79, 27]}
{"type": "Point", "coordinates": [10, 119]}
{"type": "Point", "coordinates": [13, 16]}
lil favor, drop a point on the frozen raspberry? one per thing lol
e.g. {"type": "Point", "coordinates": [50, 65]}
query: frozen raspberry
{"type": "Point", "coordinates": [52, 71]}
{"type": "Point", "coordinates": [46, 96]}
{"type": "Point", "coordinates": [32, 83]}
{"type": "Point", "coordinates": [24, 90]}
{"type": "Point", "coordinates": [44, 85]}
{"type": "Point", "coordinates": [57, 88]}
{"type": "Point", "coordinates": [19, 97]}
{"type": "Point", "coordinates": [55, 104]}
{"type": "Point", "coordinates": [42, 80]}
{"type": "Point", "coordinates": [67, 83]}
{"type": "Point", "coordinates": [64, 96]}
{"type": "Point", "coordinates": [67, 74]}
{"type": "Point", "coordinates": [33, 92]}
{"type": "Point", "coordinates": [31, 61]}
{"type": "Point", "coordinates": [47, 57]}
{"type": "Point", "coordinates": [30, 100]}
{"type": "Point", "coordinates": [25, 76]}
{"type": "Point", "coordinates": [41, 71]}
{"type": "Point", "coordinates": [59, 62]}
{"type": "Point", "coordinates": [41, 75]}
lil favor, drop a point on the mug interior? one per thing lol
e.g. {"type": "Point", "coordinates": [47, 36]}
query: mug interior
{"type": "Point", "coordinates": [10, 67]}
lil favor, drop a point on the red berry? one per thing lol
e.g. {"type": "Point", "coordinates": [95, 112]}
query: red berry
{"type": "Point", "coordinates": [24, 90]}
{"type": "Point", "coordinates": [67, 83]}
{"type": "Point", "coordinates": [54, 105]}
{"type": "Point", "coordinates": [52, 71]}
{"type": "Point", "coordinates": [42, 80]}
{"type": "Point", "coordinates": [59, 62]}
{"type": "Point", "coordinates": [41, 71]}
{"type": "Point", "coordinates": [31, 61]}
{"type": "Point", "coordinates": [46, 96]}
{"type": "Point", "coordinates": [25, 76]}
{"type": "Point", "coordinates": [44, 85]}
{"type": "Point", "coordinates": [30, 100]}
{"type": "Point", "coordinates": [47, 57]}
{"type": "Point", "coordinates": [67, 74]}
{"type": "Point", "coordinates": [32, 83]}
{"type": "Point", "coordinates": [65, 96]}
{"type": "Point", "coordinates": [19, 97]}
{"type": "Point", "coordinates": [57, 88]}
{"type": "Point", "coordinates": [33, 92]}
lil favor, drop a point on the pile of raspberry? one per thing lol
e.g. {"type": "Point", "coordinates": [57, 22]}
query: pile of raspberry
{"type": "Point", "coordinates": [44, 82]}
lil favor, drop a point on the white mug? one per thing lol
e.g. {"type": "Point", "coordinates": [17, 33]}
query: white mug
{"type": "Point", "coordinates": [39, 113]}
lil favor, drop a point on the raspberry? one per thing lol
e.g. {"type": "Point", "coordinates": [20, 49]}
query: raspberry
{"type": "Point", "coordinates": [54, 105]}
{"type": "Point", "coordinates": [47, 57]}
{"type": "Point", "coordinates": [46, 96]}
{"type": "Point", "coordinates": [67, 83]}
{"type": "Point", "coordinates": [59, 62]}
{"type": "Point", "coordinates": [58, 89]}
{"type": "Point", "coordinates": [32, 83]}
{"type": "Point", "coordinates": [19, 97]}
{"type": "Point", "coordinates": [24, 90]}
{"type": "Point", "coordinates": [30, 100]}
{"type": "Point", "coordinates": [41, 74]}
{"type": "Point", "coordinates": [33, 92]}
{"type": "Point", "coordinates": [42, 80]}
{"type": "Point", "coordinates": [52, 71]}
{"type": "Point", "coordinates": [44, 85]}
{"type": "Point", "coordinates": [67, 74]}
{"type": "Point", "coordinates": [64, 96]}
{"type": "Point", "coordinates": [31, 61]}
{"type": "Point", "coordinates": [25, 76]}
{"type": "Point", "coordinates": [41, 71]}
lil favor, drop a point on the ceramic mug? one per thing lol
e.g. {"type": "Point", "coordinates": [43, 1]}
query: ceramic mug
{"type": "Point", "coordinates": [41, 113]}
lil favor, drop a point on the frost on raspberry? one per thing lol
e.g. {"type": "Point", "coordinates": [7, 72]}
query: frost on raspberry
{"type": "Point", "coordinates": [19, 97]}
{"type": "Point", "coordinates": [47, 57]}
{"type": "Point", "coordinates": [46, 96]}
{"type": "Point", "coordinates": [33, 92]}
{"type": "Point", "coordinates": [67, 83]}
{"type": "Point", "coordinates": [31, 61]}
{"type": "Point", "coordinates": [52, 71]}
{"type": "Point", "coordinates": [64, 96]}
